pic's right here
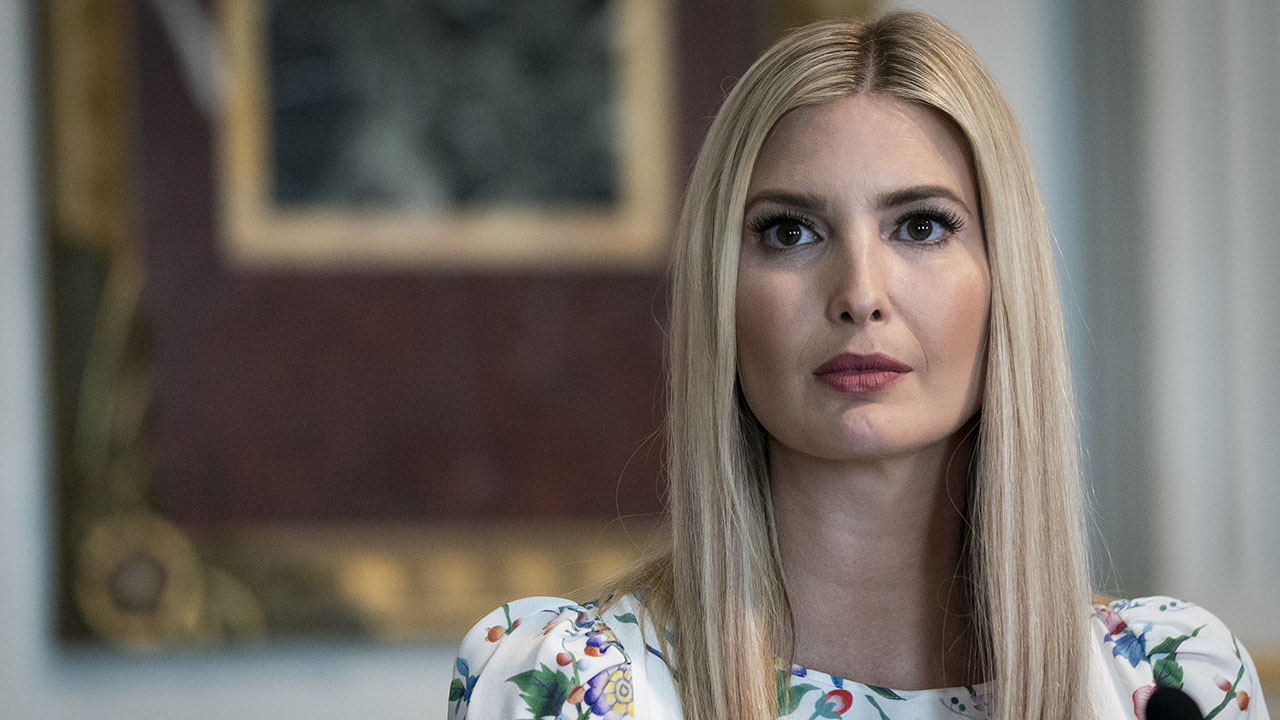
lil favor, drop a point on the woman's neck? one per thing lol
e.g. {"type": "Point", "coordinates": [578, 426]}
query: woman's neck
{"type": "Point", "coordinates": [873, 557]}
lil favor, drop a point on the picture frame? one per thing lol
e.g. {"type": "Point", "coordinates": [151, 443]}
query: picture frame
{"type": "Point", "coordinates": [625, 232]}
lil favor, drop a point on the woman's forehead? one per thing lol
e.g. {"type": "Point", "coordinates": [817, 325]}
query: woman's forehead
{"type": "Point", "coordinates": [864, 142]}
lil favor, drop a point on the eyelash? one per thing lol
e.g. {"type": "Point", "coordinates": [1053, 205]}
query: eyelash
{"type": "Point", "coordinates": [772, 219]}
{"type": "Point", "coordinates": [950, 221]}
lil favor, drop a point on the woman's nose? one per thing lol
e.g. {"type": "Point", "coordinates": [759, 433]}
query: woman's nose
{"type": "Point", "coordinates": [856, 280]}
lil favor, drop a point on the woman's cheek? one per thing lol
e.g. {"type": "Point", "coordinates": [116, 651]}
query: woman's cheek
{"type": "Point", "coordinates": [770, 321]}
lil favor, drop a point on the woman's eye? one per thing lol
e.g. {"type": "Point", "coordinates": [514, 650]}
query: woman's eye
{"type": "Point", "coordinates": [923, 229]}
{"type": "Point", "coordinates": [788, 233]}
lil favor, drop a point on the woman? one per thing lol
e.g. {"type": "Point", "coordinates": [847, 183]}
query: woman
{"type": "Point", "coordinates": [871, 444]}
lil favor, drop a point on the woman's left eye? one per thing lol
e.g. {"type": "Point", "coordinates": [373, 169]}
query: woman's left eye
{"type": "Point", "coordinates": [926, 228]}
{"type": "Point", "coordinates": [783, 232]}
{"type": "Point", "coordinates": [788, 233]}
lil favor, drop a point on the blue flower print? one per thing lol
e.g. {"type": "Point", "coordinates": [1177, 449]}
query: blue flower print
{"type": "Point", "coordinates": [461, 687]}
{"type": "Point", "coordinates": [1131, 646]}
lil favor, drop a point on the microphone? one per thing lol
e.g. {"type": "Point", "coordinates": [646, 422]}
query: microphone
{"type": "Point", "coordinates": [1168, 703]}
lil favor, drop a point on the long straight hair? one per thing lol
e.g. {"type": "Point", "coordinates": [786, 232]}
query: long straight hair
{"type": "Point", "coordinates": [718, 585]}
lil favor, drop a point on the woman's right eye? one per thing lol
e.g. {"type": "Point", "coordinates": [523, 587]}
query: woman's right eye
{"type": "Point", "coordinates": [786, 233]}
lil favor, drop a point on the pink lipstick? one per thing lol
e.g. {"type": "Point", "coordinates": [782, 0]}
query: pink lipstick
{"type": "Point", "coordinates": [860, 374]}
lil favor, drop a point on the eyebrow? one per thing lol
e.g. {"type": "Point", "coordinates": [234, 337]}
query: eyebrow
{"type": "Point", "coordinates": [802, 201]}
{"type": "Point", "coordinates": [917, 193]}
{"type": "Point", "coordinates": [893, 198]}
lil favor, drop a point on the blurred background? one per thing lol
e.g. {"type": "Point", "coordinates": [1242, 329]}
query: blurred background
{"type": "Point", "coordinates": [327, 326]}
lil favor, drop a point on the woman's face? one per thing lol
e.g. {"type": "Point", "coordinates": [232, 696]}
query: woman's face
{"type": "Point", "coordinates": [863, 287]}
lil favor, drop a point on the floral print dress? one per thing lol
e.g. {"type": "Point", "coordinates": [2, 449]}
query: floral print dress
{"type": "Point", "coordinates": [551, 658]}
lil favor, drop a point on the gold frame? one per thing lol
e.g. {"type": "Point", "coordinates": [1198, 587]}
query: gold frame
{"type": "Point", "coordinates": [256, 233]}
{"type": "Point", "coordinates": [398, 582]}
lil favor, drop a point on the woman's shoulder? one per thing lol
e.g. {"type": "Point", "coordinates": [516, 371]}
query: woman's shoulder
{"type": "Point", "coordinates": [545, 656]}
{"type": "Point", "coordinates": [1153, 642]}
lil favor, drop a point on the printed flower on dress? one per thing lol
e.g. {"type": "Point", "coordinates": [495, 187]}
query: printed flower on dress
{"type": "Point", "coordinates": [834, 704]}
{"type": "Point", "coordinates": [497, 632]}
{"type": "Point", "coordinates": [981, 700]}
{"type": "Point", "coordinates": [1231, 690]}
{"type": "Point", "coordinates": [599, 640]}
{"type": "Point", "coordinates": [463, 683]}
{"type": "Point", "coordinates": [976, 706]}
{"type": "Point", "coordinates": [1130, 645]}
{"type": "Point", "coordinates": [1115, 624]}
{"type": "Point", "coordinates": [609, 693]}
{"type": "Point", "coordinates": [1140, 698]}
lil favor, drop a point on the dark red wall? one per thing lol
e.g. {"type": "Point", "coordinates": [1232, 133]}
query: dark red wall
{"type": "Point", "coordinates": [284, 396]}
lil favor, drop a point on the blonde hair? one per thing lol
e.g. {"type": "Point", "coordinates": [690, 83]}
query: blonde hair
{"type": "Point", "coordinates": [719, 587]}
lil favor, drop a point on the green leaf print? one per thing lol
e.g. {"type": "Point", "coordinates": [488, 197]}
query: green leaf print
{"type": "Point", "coordinates": [1167, 672]}
{"type": "Point", "coordinates": [795, 697]}
{"type": "Point", "coordinates": [627, 618]}
{"type": "Point", "coordinates": [871, 699]}
{"type": "Point", "coordinates": [824, 708]}
{"type": "Point", "coordinates": [545, 690]}
{"type": "Point", "coordinates": [1231, 693]}
{"type": "Point", "coordinates": [1170, 645]}
{"type": "Point", "coordinates": [885, 693]}
{"type": "Point", "coordinates": [456, 689]}
{"type": "Point", "coordinates": [788, 702]}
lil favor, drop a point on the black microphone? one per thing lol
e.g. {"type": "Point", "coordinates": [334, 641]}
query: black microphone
{"type": "Point", "coordinates": [1168, 703]}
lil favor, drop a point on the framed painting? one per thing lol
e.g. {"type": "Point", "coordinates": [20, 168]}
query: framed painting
{"type": "Point", "coordinates": [446, 135]}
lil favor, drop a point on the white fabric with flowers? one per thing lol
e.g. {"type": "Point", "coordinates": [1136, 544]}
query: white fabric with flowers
{"type": "Point", "coordinates": [552, 658]}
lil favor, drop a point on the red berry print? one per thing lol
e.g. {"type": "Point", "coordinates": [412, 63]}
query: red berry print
{"type": "Point", "coordinates": [841, 700]}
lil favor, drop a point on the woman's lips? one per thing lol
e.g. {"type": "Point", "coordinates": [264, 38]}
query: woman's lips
{"type": "Point", "coordinates": [853, 373]}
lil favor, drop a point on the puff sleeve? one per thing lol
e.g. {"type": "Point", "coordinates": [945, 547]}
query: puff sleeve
{"type": "Point", "coordinates": [1162, 642]}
